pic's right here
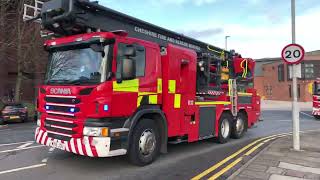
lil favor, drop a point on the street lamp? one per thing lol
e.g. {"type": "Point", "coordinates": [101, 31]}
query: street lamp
{"type": "Point", "coordinates": [227, 42]}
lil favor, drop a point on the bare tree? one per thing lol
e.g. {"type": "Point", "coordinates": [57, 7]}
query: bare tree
{"type": "Point", "coordinates": [22, 38]}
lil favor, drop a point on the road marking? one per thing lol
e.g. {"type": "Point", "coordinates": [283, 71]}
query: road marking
{"type": "Point", "coordinates": [307, 114]}
{"type": "Point", "coordinates": [44, 160]}
{"type": "Point", "coordinates": [224, 170]}
{"type": "Point", "coordinates": [12, 150]}
{"type": "Point", "coordinates": [231, 165]}
{"type": "Point", "coordinates": [51, 149]}
{"type": "Point", "coordinates": [254, 149]}
{"type": "Point", "coordinates": [15, 143]}
{"type": "Point", "coordinates": [216, 166]}
{"type": "Point", "coordinates": [22, 168]}
{"type": "Point", "coordinates": [25, 145]}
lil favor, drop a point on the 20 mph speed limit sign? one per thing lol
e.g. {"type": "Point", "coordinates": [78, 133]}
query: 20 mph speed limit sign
{"type": "Point", "coordinates": [293, 54]}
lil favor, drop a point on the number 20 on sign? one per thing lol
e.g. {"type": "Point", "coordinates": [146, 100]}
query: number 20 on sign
{"type": "Point", "coordinates": [293, 54]}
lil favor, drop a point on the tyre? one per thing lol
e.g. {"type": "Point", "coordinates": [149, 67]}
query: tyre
{"type": "Point", "coordinates": [239, 126]}
{"type": "Point", "coordinates": [317, 117]}
{"type": "Point", "coordinates": [145, 143]}
{"type": "Point", "coordinates": [1, 121]}
{"type": "Point", "coordinates": [224, 128]}
{"type": "Point", "coordinates": [25, 119]}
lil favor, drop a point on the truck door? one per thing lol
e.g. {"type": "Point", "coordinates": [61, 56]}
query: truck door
{"type": "Point", "coordinates": [143, 89]}
{"type": "Point", "coordinates": [179, 76]}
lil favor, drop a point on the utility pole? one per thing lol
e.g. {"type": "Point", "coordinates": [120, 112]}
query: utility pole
{"type": "Point", "coordinates": [226, 42]}
{"type": "Point", "coordinates": [295, 106]}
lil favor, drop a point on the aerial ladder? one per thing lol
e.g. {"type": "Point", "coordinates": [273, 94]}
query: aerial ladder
{"type": "Point", "coordinates": [69, 17]}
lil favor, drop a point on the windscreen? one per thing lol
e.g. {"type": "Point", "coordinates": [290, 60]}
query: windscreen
{"type": "Point", "coordinates": [80, 66]}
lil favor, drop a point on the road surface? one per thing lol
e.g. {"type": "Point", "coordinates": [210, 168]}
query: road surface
{"type": "Point", "coordinates": [21, 158]}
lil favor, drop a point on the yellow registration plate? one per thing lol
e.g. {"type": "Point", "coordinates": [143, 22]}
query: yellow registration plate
{"type": "Point", "coordinates": [14, 117]}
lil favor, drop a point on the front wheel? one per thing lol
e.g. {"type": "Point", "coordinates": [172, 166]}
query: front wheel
{"type": "Point", "coordinates": [224, 128]}
{"type": "Point", "coordinates": [317, 117]}
{"type": "Point", "coordinates": [145, 146]}
{"type": "Point", "coordinates": [239, 126]}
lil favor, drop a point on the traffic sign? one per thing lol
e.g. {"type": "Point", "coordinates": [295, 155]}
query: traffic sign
{"type": "Point", "coordinates": [293, 54]}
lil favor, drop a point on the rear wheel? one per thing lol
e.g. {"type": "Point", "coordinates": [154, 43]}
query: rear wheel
{"type": "Point", "coordinates": [224, 128]}
{"type": "Point", "coordinates": [145, 143]}
{"type": "Point", "coordinates": [239, 126]}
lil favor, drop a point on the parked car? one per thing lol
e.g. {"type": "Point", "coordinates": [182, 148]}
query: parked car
{"type": "Point", "coordinates": [13, 113]}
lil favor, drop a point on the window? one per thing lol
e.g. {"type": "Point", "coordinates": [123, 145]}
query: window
{"type": "Point", "coordinates": [140, 58]}
{"type": "Point", "coordinates": [268, 90]}
{"type": "Point", "coordinates": [299, 92]}
{"type": "Point", "coordinates": [290, 91]}
{"type": "Point", "coordinates": [281, 73]}
{"type": "Point", "coordinates": [308, 71]}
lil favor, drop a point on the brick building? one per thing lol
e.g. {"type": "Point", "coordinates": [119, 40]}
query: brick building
{"type": "Point", "coordinates": [273, 81]}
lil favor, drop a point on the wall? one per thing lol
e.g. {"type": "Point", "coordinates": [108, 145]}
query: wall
{"type": "Point", "coordinates": [269, 87]}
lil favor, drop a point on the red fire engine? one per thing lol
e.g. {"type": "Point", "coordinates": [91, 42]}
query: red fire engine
{"type": "Point", "coordinates": [117, 85]}
{"type": "Point", "coordinates": [316, 99]}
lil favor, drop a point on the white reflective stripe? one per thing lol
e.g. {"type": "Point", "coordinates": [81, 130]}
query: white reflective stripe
{"type": "Point", "coordinates": [102, 146]}
{"type": "Point", "coordinates": [44, 138]}
{"type": "Point", "coordinates": [60, 127]}
{"type": "Point", "coordinates": [73, 148]}
{"type": "Point", "coordinates": [39, 136]}
{"type": "Point", "coordinates": [63, 105]}
{"type": "Point", "coordinates": [62, 134]}
{"type": "Point", "coordinates": [119, 130]}
{"type": "Point", "coordinates": [67, 146]}
{"type": "Point", "coordinates": [57, 96]}
{"type": "Point", "coordinates": [80, 147]}
{"type": "Point", "coordinates": [49, 141]}
{"type": "Point", "coordinates": [60, 113]}
{"type": "Point", "coordinates": [87, 145]}
{"type": "Point", "coordinates": [59, 120]}
{"type": "Point", "coordinates": [37, 133]}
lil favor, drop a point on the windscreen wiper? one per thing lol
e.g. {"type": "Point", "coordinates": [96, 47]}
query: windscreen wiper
{"type": "Point", "coordinates": [82, 81]}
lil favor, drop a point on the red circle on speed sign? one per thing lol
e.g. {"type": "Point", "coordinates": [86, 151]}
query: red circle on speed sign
{"type": "Point", "coordinates": [293, 54]}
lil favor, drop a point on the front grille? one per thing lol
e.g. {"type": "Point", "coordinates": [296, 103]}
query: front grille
{"type": "Point", "coordinates": [63, 109]}
{"type": "Point", "coordinates": [63, 124]}
{"type": "Point", "coordinates": [55, 136]}
{"type": "Point", "coordinates": [58, 130]}
{"type": "Point", "coordinates": [62, 100]}
{"type": "Point", "coordinates": [56, 124]}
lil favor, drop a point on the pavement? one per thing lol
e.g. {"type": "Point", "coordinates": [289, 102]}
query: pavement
{"type": "Point", "coordinates": [279, 162]}
{"type": "Point", "coordinates": [284, 105]}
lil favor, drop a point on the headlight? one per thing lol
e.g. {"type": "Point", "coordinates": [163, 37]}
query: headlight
{"type": "Point", "coordinates": [96, 131]}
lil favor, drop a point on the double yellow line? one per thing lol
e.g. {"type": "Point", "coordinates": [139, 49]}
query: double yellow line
{"type": "Point", "coordinates": [255, 145]}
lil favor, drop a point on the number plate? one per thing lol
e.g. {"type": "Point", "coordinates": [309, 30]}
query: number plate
{"type": "Point", "coordinates": [14, 117]}
{"type": "Point", "coordinates": [57, 144]}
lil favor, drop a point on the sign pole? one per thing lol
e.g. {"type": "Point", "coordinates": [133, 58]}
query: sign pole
{"type": "Point", "coordinates": [295, 106]}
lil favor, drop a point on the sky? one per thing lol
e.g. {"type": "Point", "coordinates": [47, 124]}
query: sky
{"type": "Point", "coordinates": [258, 28]}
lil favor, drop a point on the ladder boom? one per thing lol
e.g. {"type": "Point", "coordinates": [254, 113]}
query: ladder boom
{"type": "Point", "coordinates": [69, 17]}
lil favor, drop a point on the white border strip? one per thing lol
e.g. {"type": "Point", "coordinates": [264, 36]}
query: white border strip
{"type": "Point", "coordinates": [63, 105]}
{"type": "Point", "coordinates": [57, 96]}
